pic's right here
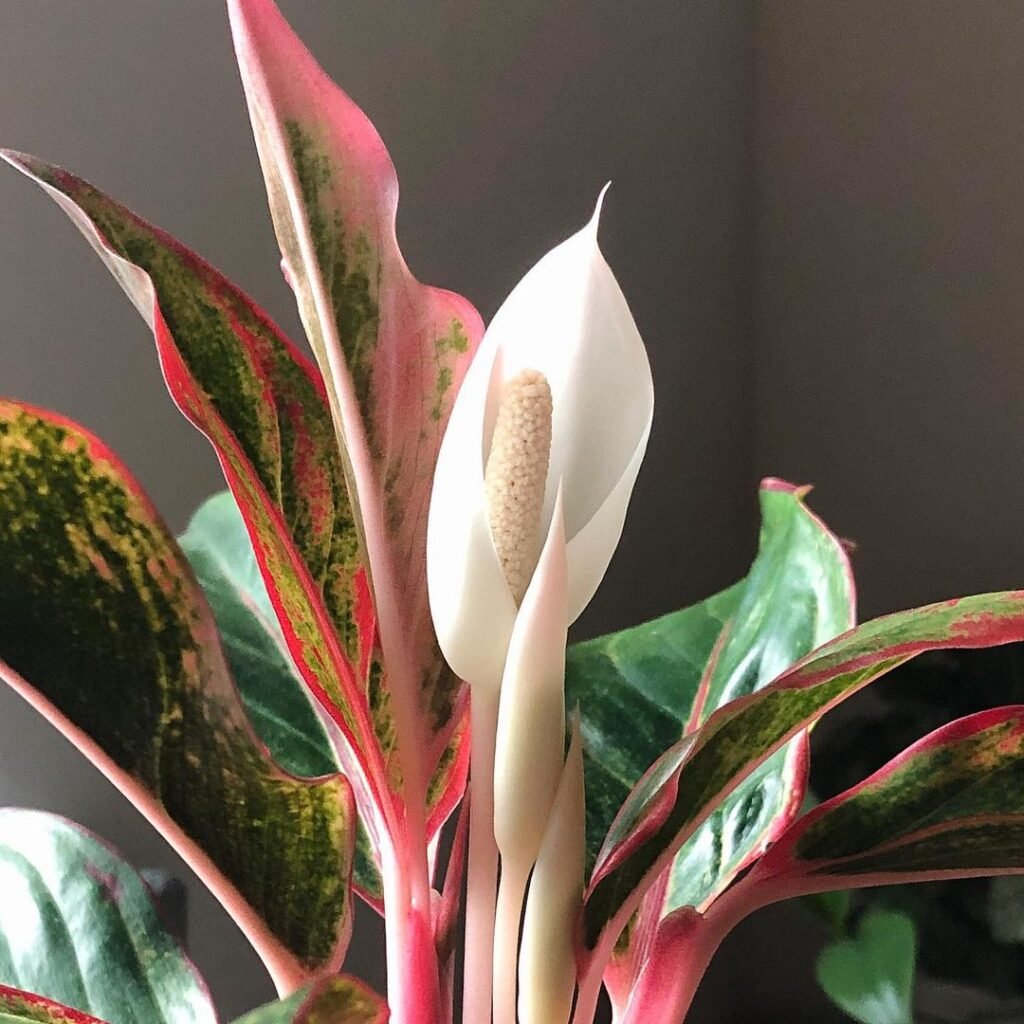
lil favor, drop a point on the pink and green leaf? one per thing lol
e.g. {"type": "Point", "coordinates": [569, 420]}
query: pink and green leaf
{"type": "Point", "coordinates": [18, 1007]}
{"type": "Point", "coordinates": [263, 407]}
{"type": "Point", "coordinates": [104, 629]}
{"type": "Point", "coordinates": [950, 806]}
{"type": "Point", "coordinates": [392, 352]}
{"type": "Point", "coordinates": [78, 925]}
{"type": "Point", "coordinates": [336, 1000]}
{"type": "Point", "coordinates": [641, 689]}
{"type": "Point", "coordinates": [689, 782]}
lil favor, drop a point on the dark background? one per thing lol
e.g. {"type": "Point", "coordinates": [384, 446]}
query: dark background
{"type": "Point", "coordinates": [816, 216]}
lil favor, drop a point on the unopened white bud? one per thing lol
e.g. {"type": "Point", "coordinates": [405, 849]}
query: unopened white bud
{"type": "Point", "coordinates": [517, 470]}
{"type": "Point", "coordinates": [530, 740]}
{"type": "Point", "coordinates": [547, 958]}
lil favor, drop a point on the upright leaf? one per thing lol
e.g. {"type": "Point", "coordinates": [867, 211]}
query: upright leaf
{"type": "Point", "coordinates": [77, 925]}
{"type": "Point", "coordinates": [641, 689]}
{"type": "Point", "coordinates": [263, 407]}
{"type": "Point", "coordinates": [392, 351]}
{"type": "Point", "coordinates": [689, 782]}
{"type": "Point", "coordinates": [104, 629]}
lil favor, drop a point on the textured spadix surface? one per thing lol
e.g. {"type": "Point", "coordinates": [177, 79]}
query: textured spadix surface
{"type": "Point", "coordinates": [569, 320]}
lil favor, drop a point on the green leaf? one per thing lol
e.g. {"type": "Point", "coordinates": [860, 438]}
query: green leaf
{"type": "Point", "coordinates": [104, 629]}
{"type": "Point", "coordinates": [871, 976]}
{"type": "Point", "coordinates": [77, 925]}
{"type": "Point", "coordinates": [643, 688]}
{"type": "Point", "coordinates": [218, 547]}
{"type": "Point", "coordinates": [337, 1000]}
{"type": "Point", "coordinates": [17, 1007]}
{"type": "Point", "coordinates": [690, 781]}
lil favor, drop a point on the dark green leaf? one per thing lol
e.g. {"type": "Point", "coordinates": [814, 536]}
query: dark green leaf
{"type": "Point", "coordinates": [105, 630]}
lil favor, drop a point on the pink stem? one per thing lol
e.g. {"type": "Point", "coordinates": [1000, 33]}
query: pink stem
{"type": "Point", "coordinates": [414, 992]}
{"type": "Point", "coordinates": [482, 873]}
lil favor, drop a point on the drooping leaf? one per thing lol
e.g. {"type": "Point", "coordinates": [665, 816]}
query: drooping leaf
{"type": "Point", "coordinates": [218, 548]}
{"type": "Point", "coordinates": [870, 975]}
{"type": "Point", "coordinates": [641, 689]}
{"type": "Point", "coordinates": [336, 1000]}
{"type": "Point", "coordinates": [392, 352]}
{"type": "Point", "coordinates": [951, 805]}
{"type": "Point", "coordinates": [78, 925]}
{"type": "Point", "coordinates": [18, 1007]}
{"type": "Point", "coordinates": [105, 631]}
{"type": "Point", "coordinates": [263, 407]}
{"type": "Point", "coordinates": [690, 781]}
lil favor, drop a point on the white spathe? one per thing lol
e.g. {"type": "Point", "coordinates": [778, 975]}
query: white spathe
{"type": "Point", "coordinates": [568, 319]}
{"type": "Point", "coordinates": [530, 740]}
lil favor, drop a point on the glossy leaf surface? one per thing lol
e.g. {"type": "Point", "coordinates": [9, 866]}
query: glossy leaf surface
{"type": "Point", "coordinates": [641, 689]}
{"type": "Point", "coordinates": [78, 925]}
{"type": "Point", "coordinates": [336, 1000]}
{"type": "Point", "coordinates": [693, 779]}
{"type": "Point", "coordinates": [391, 350]}
{"type": "Point", "coordinates": [870, 975]}
{"type": "Point", "coordinates": [104, 629]}
{"type": "Point", "coordinates": [218, 548]}
{"type": "Point", "coordinates": [951, 805]}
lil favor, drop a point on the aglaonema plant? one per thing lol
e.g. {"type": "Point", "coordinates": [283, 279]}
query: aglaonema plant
{"type": "Point", "coordinates": [364, 641]}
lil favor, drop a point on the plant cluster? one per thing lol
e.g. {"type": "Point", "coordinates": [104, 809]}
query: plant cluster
{"type": "Point", "coordinates": [364, 639]}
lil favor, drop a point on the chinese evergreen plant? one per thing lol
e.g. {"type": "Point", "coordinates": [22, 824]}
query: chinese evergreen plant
{"type": "Point", "coordinates": [296, 692]}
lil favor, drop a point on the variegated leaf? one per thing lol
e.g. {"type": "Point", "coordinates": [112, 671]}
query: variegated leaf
{"type": "Point", "coordinates": [104, 629]}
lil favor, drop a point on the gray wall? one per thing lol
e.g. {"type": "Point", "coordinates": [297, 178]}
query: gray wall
{"type": "Point", "coordinates": [504, 120]}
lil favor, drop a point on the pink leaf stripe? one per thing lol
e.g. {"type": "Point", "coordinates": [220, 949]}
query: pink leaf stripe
{"type": "Point", "coordinates": [392, 351]}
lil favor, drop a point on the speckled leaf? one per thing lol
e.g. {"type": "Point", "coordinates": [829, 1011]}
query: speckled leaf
{"type": "Point", "coordinates": [641, 689]}
{"type": "Point", "coordinates": [77, 925]}
{"type": "Point", "coordinates": [104, 629]}
{"type": "Point", "coordinates": [337, 1000]}
{"type": "Point", "coordinates": [218, 547]}
{"type": "Point", "coordinates": [263, 407]}
{"type": "Point", "coordinates": [18, 1007]}
{"type": "Point", "coordinates": [691, 780]}
{"type": "Point", "coordinates": [952, 805]}
{"type": "Point", "coordinates": [392, 350]}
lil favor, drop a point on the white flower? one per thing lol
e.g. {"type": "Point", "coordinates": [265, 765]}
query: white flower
{"type": "Point", "coordinates": [565, 327]}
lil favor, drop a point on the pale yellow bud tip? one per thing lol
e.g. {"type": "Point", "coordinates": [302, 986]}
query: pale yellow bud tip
{"type": "Point", "coordinates": [517, 469]}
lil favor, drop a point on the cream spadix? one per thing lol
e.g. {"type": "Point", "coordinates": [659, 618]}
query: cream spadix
{"type": "Point", "coordinates": [568, 321]}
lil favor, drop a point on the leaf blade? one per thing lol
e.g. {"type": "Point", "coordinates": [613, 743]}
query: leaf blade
{"type": "Point", "coordinates": [78, 926]}
{"type": "Point", "coordinates": [103, 629]}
